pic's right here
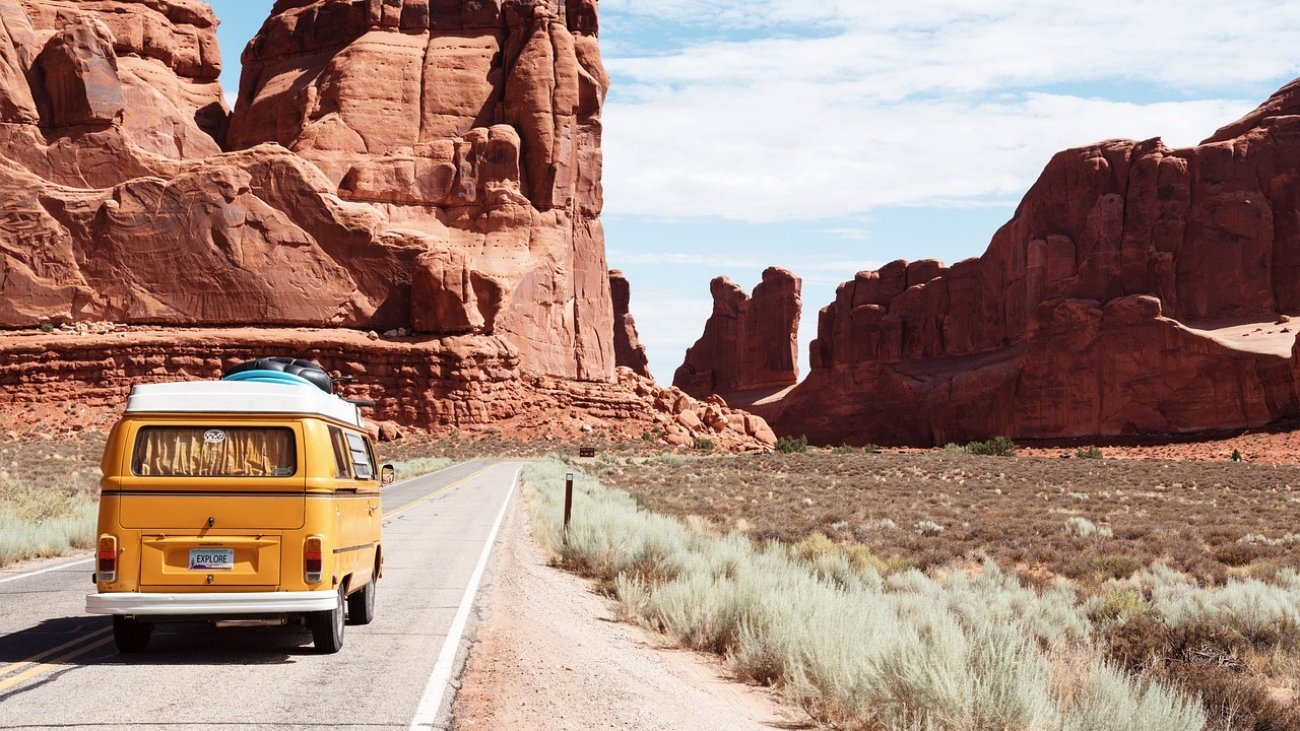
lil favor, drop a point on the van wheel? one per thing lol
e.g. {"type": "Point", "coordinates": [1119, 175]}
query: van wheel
{"type": "Point", "coordinates": [361, 605]}
{"type": "Point", "coordinates": [327, 627]}
{"type": "Point", "coordinates": [131, 635]}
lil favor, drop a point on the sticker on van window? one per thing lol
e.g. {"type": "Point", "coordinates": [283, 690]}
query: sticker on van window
{"type": "Point", "coordinates": [214, 436]}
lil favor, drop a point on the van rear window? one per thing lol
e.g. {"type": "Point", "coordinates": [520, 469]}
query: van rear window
{"type": "Point", "coordinates": [215, 451]}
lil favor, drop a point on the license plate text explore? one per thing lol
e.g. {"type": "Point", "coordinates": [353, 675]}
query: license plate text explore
{"type": "Point", "coordinates": [212, 559]}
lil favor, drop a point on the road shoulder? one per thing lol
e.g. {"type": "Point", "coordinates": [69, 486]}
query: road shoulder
{"type": "Point", "coordinates": [550, 656]}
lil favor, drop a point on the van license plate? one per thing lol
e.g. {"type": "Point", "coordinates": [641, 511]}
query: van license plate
{"type": "Point", "coordinates": [212, 559]}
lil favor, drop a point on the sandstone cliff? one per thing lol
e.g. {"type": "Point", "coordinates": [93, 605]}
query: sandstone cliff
{"type": "Point", "coordinates": [748, 343]}
{"type": "Point", "coordinates": [429, 169]}
{"type": "Point", "coordinates": [435, 167]}
{"type": "Point", "coordinates": [1134, 291]}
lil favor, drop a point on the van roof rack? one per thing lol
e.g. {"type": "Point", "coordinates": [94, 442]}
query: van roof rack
{"type": "Point", "coordinates": [281, 369]}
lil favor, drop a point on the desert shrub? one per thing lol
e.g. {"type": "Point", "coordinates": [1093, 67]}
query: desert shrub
{"type": "Point", "coordinates": [1266, 615]}
{"type": "Point", "coordinates": [1089, 452]}
{"type": "Point", "coordinates": [39, 523]}
{"type": "Point", "coordinates": [995, 447]}
{"type": "Point", "coordinates": [1110, 702]}
{"type": "Point", "coordinates": [928, 528]}
{"type": "Point", "coordinates": [1237, 553]}
{"type": "Point", "coordinates": [1105, 566]}
{"type": "Point", "coordinates": [1288, 578]}
{"type": "Point", "coordinates": [1080, 527]}
{"type": "Point", "coordinates": [704, 444]}
{"type": "Point", "coordinates": [907, 651]}
{"type": "Point", "coordinates": [1233, 698]}
{"type": "Point", "coordinates": [671, 459]}
{"type": "Point", "coordinates": [1220, 536]}
{"type": "Point", "coordinates": [844, 449]}
{"type": "Point", "coordinates": [833, 561]}
{"type": "Point", "coordinates": [1116, 605]}
{"type": "Point", "coordinates": [792, 445]}
{"type": "Point", "coordinates": [1201, 658]}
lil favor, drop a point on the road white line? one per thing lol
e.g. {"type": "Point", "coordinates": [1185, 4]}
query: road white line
{"type": "Point", "coordinates": [426, 474]}
{"type": "Point", "coordinates": [91, 560]}
{"type": "Point", "coordinates": [426, 714]}
{"type": "Point", "coordinates": [47, 570]}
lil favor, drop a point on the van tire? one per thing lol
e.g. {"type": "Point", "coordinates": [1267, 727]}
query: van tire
{"type": "Point", "coordinates": [130, 635]}
{"type": "Point", "coordinates": [361, 604]}
{"type": "Point", "coordinates": [327, 627]}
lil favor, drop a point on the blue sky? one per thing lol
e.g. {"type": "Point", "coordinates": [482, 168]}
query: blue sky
{"type": "Point", "coordinates": [835, 136]}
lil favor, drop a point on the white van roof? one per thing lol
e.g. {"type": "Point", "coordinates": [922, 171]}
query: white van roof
{"type": "Point", "coordinates": [240, 397]}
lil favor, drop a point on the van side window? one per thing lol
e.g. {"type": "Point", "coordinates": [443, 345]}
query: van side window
{"type": "Point", "coordinates": [362, 463]}
{"type": "Point", "coordinates": [342, 456]}
{"type": "Point", "coordinates": [214, 451]}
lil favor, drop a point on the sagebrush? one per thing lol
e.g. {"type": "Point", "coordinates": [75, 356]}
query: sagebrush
{"type": "Point", "coordinates": [858, 649]}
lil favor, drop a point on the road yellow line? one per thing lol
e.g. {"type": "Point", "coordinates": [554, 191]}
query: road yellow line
{"type": "Point", "coordinates": [53, 663]}
{"type": "Point", "coordinates": [101, 637]}
{"type": "Point", "coordinates": [42, 655]}
{"type": "Point", "coordinates": [435, 494]}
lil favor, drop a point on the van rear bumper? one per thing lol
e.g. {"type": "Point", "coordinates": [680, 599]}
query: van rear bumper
{"type": "Point", "coordinates": [211, 603]}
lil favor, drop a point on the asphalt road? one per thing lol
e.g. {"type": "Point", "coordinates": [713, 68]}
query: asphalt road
{"type": "Point", "coordinates": [60, 670]}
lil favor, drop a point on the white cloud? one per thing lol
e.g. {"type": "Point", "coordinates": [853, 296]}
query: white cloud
{"type": "Point", "coordinates": [858, 105]}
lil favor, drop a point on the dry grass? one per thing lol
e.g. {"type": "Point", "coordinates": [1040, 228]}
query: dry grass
{"type": "Point", "coordinates": [951, 652]}
{"type": "Point", "coordinates": [1219, 616]}
{"type": "Point", "coordinates": [1089, 520]}
{"type": "Point", "coordinates": [48, 496]}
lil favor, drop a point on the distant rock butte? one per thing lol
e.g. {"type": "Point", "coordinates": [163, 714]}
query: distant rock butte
{"type": "Point", "coordinates": [748, 343]}
{"type": "Point", "coordinates": [1104, 307]}
{"type": "Point", "coordinates": [628, 350]}
{"type": "Point", "coordinates": [433, 166]}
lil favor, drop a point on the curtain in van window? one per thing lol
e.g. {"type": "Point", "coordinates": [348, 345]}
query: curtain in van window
{"type": "Point", "coordinates": [214, 452]}
{"type": "Point", "coordinates": [341, 464]}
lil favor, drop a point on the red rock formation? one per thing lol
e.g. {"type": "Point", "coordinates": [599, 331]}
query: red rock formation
{"type": "Point", "coordinates": [628, 350]}
{"type": "Point", "coordinates": [155, 62]}
{"type": "Point", "coordinates": [392, 164]}
{"type": "Point", "coordinates": [442, 171]}
{"type": "Point", "coordinates": [1097, 310]}
{"type": "Point", "coordinates": [747, 343]}
{"type": "Point", "coordinates": [473, 127]}
{"type": "Point", "coordinates": [79, 379]}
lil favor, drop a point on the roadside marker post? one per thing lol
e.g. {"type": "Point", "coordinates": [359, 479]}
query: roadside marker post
{"type": "Point", "coordinates": [568, 500]}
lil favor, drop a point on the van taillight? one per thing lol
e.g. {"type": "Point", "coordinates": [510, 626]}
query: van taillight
{"type": "Point", "coordinates": [311, 559]}
{"type": "Point", "coordinates": [107, 564]}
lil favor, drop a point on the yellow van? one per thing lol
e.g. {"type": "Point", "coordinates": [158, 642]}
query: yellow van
{"type": "Point", "coordinates": [249, 500]}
